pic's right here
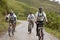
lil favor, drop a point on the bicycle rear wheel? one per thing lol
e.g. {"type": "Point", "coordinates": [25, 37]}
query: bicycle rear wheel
{"type": "Point", "coordinates": [29, 29]}
{"type": "Point", "coordinates": [9, 30]}
{"type": "Point", "coordinates": [41, 35]}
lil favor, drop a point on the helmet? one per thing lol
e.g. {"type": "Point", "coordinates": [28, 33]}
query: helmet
{"type": "Point", "coordinates": [40, 9]}
{"type": "Point", "coordinates": [11, 12]}
{"type": "Point", "coordinates": [30, 13]}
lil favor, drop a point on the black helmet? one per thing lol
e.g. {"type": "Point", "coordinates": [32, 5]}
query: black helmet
{"type": "Point", "coordinates": [40, 9]}
{"type": "Point", "coordinates": [11, 13]}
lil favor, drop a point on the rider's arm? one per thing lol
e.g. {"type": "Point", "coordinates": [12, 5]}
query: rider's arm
{"type": "Point", "coordinates": [28, 17]}
{"type": "Point", "coordinates": [36, 16]}
{"type": "Point", "coordinates": [15, 17]}
{"type": "Point", "coordinates": [33, 17]}
{"type": "Point", "coordinates": [45, 16]}
{"type": "Point", "coordinates": [7, 17]}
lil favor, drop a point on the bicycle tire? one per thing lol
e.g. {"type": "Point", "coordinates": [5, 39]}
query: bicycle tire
{"type": "Point", "coordinates": [9, 30]}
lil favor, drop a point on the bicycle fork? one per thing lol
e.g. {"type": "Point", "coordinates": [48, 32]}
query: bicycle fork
{"type": "Point", "coordinates": [41, 35]}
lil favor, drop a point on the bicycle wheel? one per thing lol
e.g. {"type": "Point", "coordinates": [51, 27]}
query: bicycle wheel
{"type": "Point", "coordinates": [13, 29]}
{"type": "Point", "coordinates": [29, 29]}
{"type": "Point", "coordinates": [9, 30]}
{"type": "Point", "coordinates": [41, 34]}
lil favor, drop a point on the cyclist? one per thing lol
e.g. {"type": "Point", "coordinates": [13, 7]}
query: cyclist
{"type": "Point", "coordinates": [31, 18]}
{"type": "Point", "coordinates": [11, 17]}
{"type": "Point", "coordinates": [40, 18]}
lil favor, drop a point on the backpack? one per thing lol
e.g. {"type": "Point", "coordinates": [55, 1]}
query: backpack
{"type": "Point", "coordinates": [11, 17]}
{"type": "Point", "coordinates": [40, 17]}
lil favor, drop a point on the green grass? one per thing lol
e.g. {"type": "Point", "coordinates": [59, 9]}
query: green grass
{"type": "Point", "coordinates": [3, 24]}
{"type": "Point", "coordinates": [46, 4]}
{"type": "Point", "coordinates": [53, 32]}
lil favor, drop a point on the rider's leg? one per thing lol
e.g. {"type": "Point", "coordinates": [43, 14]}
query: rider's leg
{"type": "Point", "coordinates": [14, 26]}
{"type": "Point", "coordinates": [32, 24]}
{"type": "Point", "coordinates": [28, 27]}
{"type": "Point", "coordinates": [14, 22]}
{"type": "Point", "coordinates": [9, 29]}
{"type": "Point", "coordinates": [37, 30]}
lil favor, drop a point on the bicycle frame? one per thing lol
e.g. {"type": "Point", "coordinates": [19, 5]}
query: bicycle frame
{"type": "Point", "coordinates": [30, 27]}
{"type": "Point", "coordinates": [11, 29]}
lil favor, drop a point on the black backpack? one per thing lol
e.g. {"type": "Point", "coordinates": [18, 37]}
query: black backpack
{"type": "Point", "coordinates": [12, 17]}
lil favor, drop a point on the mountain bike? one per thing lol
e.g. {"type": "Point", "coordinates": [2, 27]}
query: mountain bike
{"type": "Point", "coordinates": [30, 26]}
{"type": "Point", "coordinates": [40, 33]}
{"type": "Point", "coordinates": [11, 28]}
{"type": "Point", "coordinates": [40, 30]}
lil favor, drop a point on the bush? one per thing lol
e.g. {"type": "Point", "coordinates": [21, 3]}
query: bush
{"type": "Point", "coordinates": [54, 20]}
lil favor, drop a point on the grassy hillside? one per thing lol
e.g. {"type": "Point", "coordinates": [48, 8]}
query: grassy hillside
{"type": "Point", "coordinates": [3, 26]}
{"type": "Point", "coordinates": [21, 9]}
{"type": "Point", "coordinates": [45, 3]}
